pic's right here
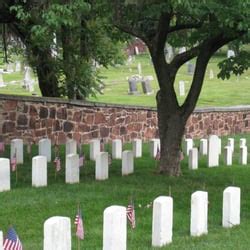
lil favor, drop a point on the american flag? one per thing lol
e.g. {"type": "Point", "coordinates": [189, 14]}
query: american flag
{"type": "Point", "coordinates": [11, 241]}
{"type": "Point", "coordinates": [131, 214]}
{"type": "Point", "coordinates": [81, 160]}
{"type": "Point", "coordinates": [13, 163]}
{"type": "Point", "coordinates": [57, 163]}
{"type": "Point", "coordinates": [2, 147]}
{"type": "Point", "coordinates": [158, 154]}
{"type": "Point", "coordinates": [79, 225]}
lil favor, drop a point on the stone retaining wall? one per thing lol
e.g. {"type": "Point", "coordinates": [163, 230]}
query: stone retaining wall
{"type": "Point", "coordinates": [35, 117]}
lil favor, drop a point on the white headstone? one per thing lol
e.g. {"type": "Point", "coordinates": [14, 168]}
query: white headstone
{"type": "Point", "coordinates": [117, 149]}
{"type": "Point", "coordinates": [230, 53]}
{"type": "Point", "coordinates": [127, 162]}
{"type": "Point", "coordinates": [188, 144]}
{"type": "Point", "coordinates": [243, 142]}
{"type": "Point", "coordinates": [213, 151]}
{"type": "Point", "coordinates": [102, 166]}
{"type": "Point", "coordinates": [182, 88]}
{"type": "Point", "coordinates": [4, 174]}
{"type": "Point", "coordinates": [17, 148]}
{"type": "Point", "coordinates": [1, 80]}
{"type": "Point", "coordinates": [71, 147]}
{"type": "Point", "coordinates": [137, 148]}
{"type": "Point", "coordinates": [203, 146]}
{"type": "Point", "coordinates": [154, 145]}
{"type": "Point", "coordinates": [139, 68]}
{"type": "Point", "coordinates": [211, 74]}
{"type": "Point", "coordinates": [57, 233]}
{"type": "Point", "coordinates": [115, 228]}
{"type": "Point", "coordinates": [72, 169]}
{"type": "Point", "coordinates": [193, 158]}
{"type": "Point", "coordinates": [228, 155]}
{"type": "Point", "coordinates": [18, 66]}
{"type": "Point", "coordinates": [27, 77]}
{"type": "Point", "coordinates": [136, 50]}
{"type": "Point", "coordinates": [231, 207]}
{"type": "Point", "coordinates": [199, 211]}
{"type": "Point", "coordinates": [243, 155]}
{"type": "Point", "coordinates": [162, 224]}
{"type": "Point", "coordinates": [39, 171]}
{"type": "Point", "coordinates": [230, 143]}
{"type": "Point", "coordinates": [94, 149]}
{"type": "Point", "coordinates": [1, 240]}
{"type": "Point", "coordinates": [44, 148]}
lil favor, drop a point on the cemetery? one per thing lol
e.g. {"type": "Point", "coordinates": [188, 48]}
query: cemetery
{"type": "Point", "coordinates": [124, 125]}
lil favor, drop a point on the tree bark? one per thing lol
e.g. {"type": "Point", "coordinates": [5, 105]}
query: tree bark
{"type": "Point", "coordinates": [171, 129]}
{"type": "Point", "coordinates": [47, 78]}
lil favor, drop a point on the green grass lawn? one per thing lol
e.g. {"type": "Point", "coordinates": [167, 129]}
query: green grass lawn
{"type": "Point", "coordinates": [215, 92]}
{"type": "Point", "coordinates": [27, 208]}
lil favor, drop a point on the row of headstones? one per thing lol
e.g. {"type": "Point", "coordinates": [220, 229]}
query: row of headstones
{"type": "Point", "coordinates": [57, 230]}
{"type": "Point", "coordinates": [44, 146]}
{"type": "Point", "coordinates": [212, 148]}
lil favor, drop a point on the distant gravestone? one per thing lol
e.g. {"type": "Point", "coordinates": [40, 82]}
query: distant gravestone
{"type": "Point", "coordinates": [127, 162]}
{"type": "Point", "coordinates": [182, 88]}
{"type": "Point", "coordinates": [4, 174]}
{"type": "Point", "coordinates": [27, 77]}
{"type": "Point", "coordinates": [211, 74]}
{"type": "Point", "coordinates": [190, 68]}
{"type": "Point", "coordinates": [39, 171]}
{"type": "Point", "coordinates": [139, 68]}
{"type": "Point", "coordinates": [72, 169]}
{"type": "Point", "coordinates": [116, 149]}
{"type": "Point", "coordinates": [243, 155]}
{"type": "Point", "coordinates": [1, 80]}
{"type": "Point", "coordinates": [57, 233]}
{"type": "Point", "coordinates": [10, 68]}
{"type": "Point", "coordinates": [203, 146]}
{"type": "Point", "coordinates": [228, 155]}
{"type": "Point", "coordinates": [137, 147]}
{"type": "Point", "coordinates": [115, 228]}
{"type": "Point", "coordinates": [154, 146]}
{"type": "Point", "coordinates": [71, 147]}
{"type": "Point", "coordinates": [18, 66]}
{"type": "Point", "coordinates": [44, 148]}
{"type": "Point", "coordinates": [188, 144]}
{"type": "Point", "coordinates": [199, 212]}
{"type": "Point", "coordinates": [231, 207]}
{"type": "Point", "coordinates": [102, 166]}
{"type": "Point", "coordinates": [136, 50]}
{"type": "Point", "coordinates": [230, 53]}
{"type": "Point", "coordinates": [213, 151]}
{"type": "Point", "coordinates": [230, 143]}
{"type": "Point", "coordinates": [243, 142]}
{"type": "Point", "coordinates": [193, 158]}
{"type": "Point", "coordinates": [133, 85]}
{"type": "Point", "coordinates": [162, 225]}
{"type": "Point", "coordinates": [146, 86]}
{"type": "Point", "coordinates": [16, 147]}
{"type": "Point", "coordinates": [95, 148]}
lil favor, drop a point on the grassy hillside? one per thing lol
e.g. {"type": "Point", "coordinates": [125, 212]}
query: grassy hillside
{"type": "Point", "coordinates": [215, 92]}
{"type": "Point", "coordinates": [27, 208]}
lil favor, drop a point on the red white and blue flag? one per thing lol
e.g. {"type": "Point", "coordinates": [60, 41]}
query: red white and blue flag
{"type": "Point", "coordinates": [79, 225]}
{"type": "Point", "coordinates": [13, 163]}
{"type": "Point", "coordinates": [2, 147]}
{"type": "Point", "coordinates": [11, 241]}
{"type": "Point", "coordinates": [158, 154]}
{"type": "Point", "coordinates": [57, 163]}
{"type": "Point", "coordinates": [131, 214]}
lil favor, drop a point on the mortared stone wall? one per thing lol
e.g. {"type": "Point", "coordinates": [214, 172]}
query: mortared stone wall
{"type": "Point", "coordinates": [33, 118]}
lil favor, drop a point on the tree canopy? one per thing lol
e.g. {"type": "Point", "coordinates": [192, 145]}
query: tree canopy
{"type": "Point", "coordinates": [203, 27]}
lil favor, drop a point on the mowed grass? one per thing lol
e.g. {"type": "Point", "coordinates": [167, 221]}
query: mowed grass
{"type": "Point", "coordinates": [27, 208]}
{"type": "Point", "coordinates": [215, 92]}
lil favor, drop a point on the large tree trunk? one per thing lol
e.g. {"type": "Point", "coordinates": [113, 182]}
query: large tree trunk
{"type": "Point", "coordinates": [46, 73]}
{"type": "Point", "coordinates": [171, 129]}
